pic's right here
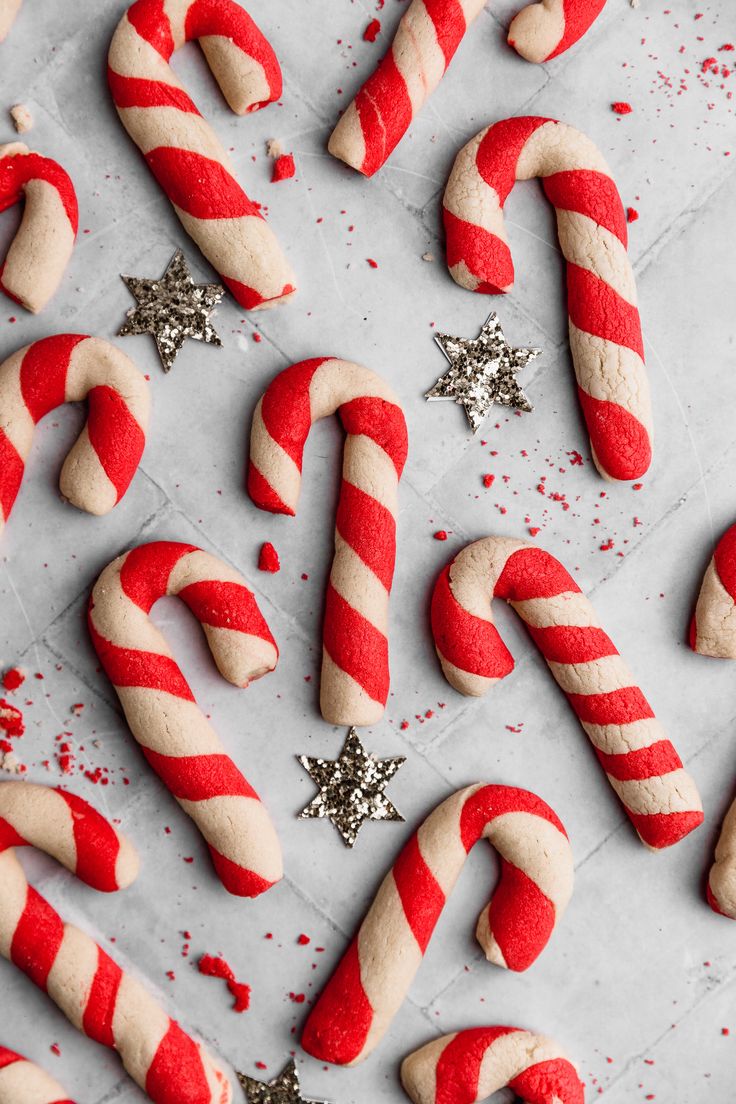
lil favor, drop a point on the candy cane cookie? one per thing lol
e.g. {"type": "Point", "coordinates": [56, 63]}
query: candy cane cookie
{"type": "Point", "coordinates": [641, 764]}
{"type": "Point", "coordinates": [70, 368]}
{"type": "Point", "coordinates": [8, 11]}
{"type": "Point", "coordinates": [174, 735]}
{"type": "Point", "coordinates": [605, 331]}
{"type": "Point", "coordinates": [40, 251]}
{"type": "Point", "coordinates": [99, 998]}
{"type": "Point", "coordinates": [427, 37]}
{"type": "Point", "coordinates": [469, 1066]}
{"type": "Point", "coordinates": [545, 29]}
{"type": "Point", "coordinates": [370, 983]}
{"type": "Point", "coordinates": [355, 668]}
{"type": "Point", "coordinates": [713, 633]}
{"type": "Point", "coordinates": [181, 149]}
{"type": "Point", "coordinates": [22, 1082]}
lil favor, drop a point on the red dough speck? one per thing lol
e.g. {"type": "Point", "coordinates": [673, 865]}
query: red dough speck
{"type": "Point", "coordinates": [268, 560]}
{"type": "Point", "coordinates": [12, 679]}
{"type": "Point", "coordinates": [488, 480]}
{"type": "Point", "coordinates": [371, 262]}
{"type": "Point", "coordinates": [283, 168]}
{"type": "Point", "coordinates": [372, 30]}
{"type": "Point", "coordinates": [303, 940]}
{"type": "Point", "coordinates": [441, 535]}
{"type": "Point", "coordinates": [214, 966]}
{"type": "Point", "coordinates": [622, 108]}
{"type": "Point", "coordinates": [631, 214]}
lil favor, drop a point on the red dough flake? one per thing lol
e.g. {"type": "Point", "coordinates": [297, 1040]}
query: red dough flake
{"type": "Point", "coordinates": [268, 560]}
{"type": "Point", "coordinates": [372, 30]}
{"type": "Point", "coordinates": [631, 214]}
{"type": "Point", "coordinates": [622, 108]}
{"type": "Point", "coordinates": [11, 719]}
{"type": "Point", "coordinates": [12, 679]}
{"type": "Point", "coordinates": [283, 168]}
{"type": "Point", "coordinates": [214, 966]}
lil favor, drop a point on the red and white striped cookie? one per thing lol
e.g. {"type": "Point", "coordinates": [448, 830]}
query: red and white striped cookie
{"type": "Point", "coordinates": [713, 633]}
{"type": "Point", "coordinates": [40, 251]}
{"type": "Point", "coordinates": [471, 1065]}
{"type": "Point", "coordinates": [546, 28]}
{"type": "Point", "coordinates": [175, 736]}
{"type": "Point", "coordinates": [99, 998]}
{"type": "Point", "coordinates": [181, 149]}
{"type": "Point", "coordinates": [641, 764]}
{"type": "Point", "coordinates": [70, 368]}
{"type": "Point", "coordinates": [355, 669]}
{"type": "Point", "coordinates": [370, 983]}
{"type": "Point", "coordinates": [605, 330]}
{"type": "Point", "coordinates": [8, 11]}
{"type": "Point", "coordinates": [22, 1082]}
{"type": "Point", "coordinates": [427, 37]}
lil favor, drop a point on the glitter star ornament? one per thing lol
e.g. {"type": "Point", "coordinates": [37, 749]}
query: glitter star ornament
{"type": "Point", "coordinates": [284, 1089]}
{"type": "Point", "coordinates": [351, 788]}
{"type": "Point", "coordinates": [482, 372]}
{"type": "Point", "coordinates": [172, 309]}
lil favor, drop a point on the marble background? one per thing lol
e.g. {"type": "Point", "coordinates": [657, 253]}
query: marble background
{"type": "Point", "coordinates": [639, 981]}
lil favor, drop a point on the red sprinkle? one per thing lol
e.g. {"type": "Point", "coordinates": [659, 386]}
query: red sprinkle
{"type": "Point", "coordinates": [212, 966]}
{"type": "Point", "coordinates": [268, 560]}
{"type": "Point", "coordinates": [283, 168]}
{"type": "Point", "coordinates": [371, 262]}
{"type": "Point", "coordinates": [372, 30]}
{"type": "Point", "coordinates": [622, 108]}
{"type": "Point", "coordinates": [12, 679]}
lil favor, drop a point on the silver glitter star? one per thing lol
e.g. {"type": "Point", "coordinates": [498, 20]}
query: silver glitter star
{"type": "Point", "coordinates": [284, 1089]}
{"type": "Point", "coordinates": [351, 788]}
{"type": "Point", "coordinates": [482, 372]}
{"type": "Point", "coordinates": [172, 309]}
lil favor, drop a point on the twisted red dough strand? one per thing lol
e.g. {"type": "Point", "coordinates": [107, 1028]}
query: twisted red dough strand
{"type": "Point", "coordinates": [368, 987]}
{"type": "Point", "coordinates": [605, 331]}
{"type": "Point", "coordinates": [176, 738]}
{"type": "Point", "coordinates": [22, 1082]}
{"type": "Point", "coordinates": [713, 633]}
{"type": "Point", "coordinates": [469, 1066]}
{"type": "Point", "coordinates": [658, 795]}
{"type": "Point", "coordinates": [40, 251]}
{"type": "Point", "coordinates": [180, 148]}
{"type": "Point", "coordinates": [545, 29]}
{"type": "Point", "coordinates": [98, 998]}
{"type": "Point", "coordinates": [69, 368]}
{"type": "Point", "coordinates": [355, 670]}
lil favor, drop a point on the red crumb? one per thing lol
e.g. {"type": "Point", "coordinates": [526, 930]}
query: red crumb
{"type": "Point", "coordinates": [303, 940]}
{"type": "Point", "coordinates": [212, 966]}
{"type": "Point", "coordinates": [12, 679]}
{"type": "Point", "coordinates": [55, 1049]}
{"type": "Point", "coordinates": [621, 108]}
{"type": "Point", "coordinates": [297, 998]}
{"type": "Point", "coordinates": [371, 262]}
{"type": "Point", "coordinates": [257, 337]}
{"type": "Point", "coordinates": [268, 559]}
{"type": "Point", "coordinates": [261, 1065]}
{"type": "Point", "coordinates": [725, 1031]}
{"type": "Point", "coordinates": [576, 459]}
{"type": "Point", "coordinates": [441, 534]}
{"type": "Point", "coordinates": [372, 30]}
{"type": "Point", "coordinates": [488, 480]}
{"type": "Point", "coordinates": [534, 531]}
{"type": "Point", "coordinates": [11, 719]}
{"type": "Point", "coordinates": [631, 214]}
{"type": "Point", "coordinates": [283, 168]}
{"type": "Point", "coordinates": [607, 545]}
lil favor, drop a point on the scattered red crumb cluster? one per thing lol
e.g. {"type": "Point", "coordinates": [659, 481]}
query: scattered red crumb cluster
{"type": "Point", "coordinates": [283, 168]}
{"type": "Point", "coordinates": [215, 966]}
{"type": "Point", "coordinates": [268, 559]}
{"type": "Point", "coordinates": [422, 718]}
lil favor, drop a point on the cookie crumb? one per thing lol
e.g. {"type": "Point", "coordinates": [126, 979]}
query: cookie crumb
{"type": "Point", "coordinates": [22, 118]}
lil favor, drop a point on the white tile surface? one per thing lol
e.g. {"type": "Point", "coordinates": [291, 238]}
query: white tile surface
{"type": "Point", "coordinates": [638, 982]}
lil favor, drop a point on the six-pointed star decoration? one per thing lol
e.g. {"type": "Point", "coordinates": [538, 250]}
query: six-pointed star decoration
{"type": "Point", "coordinates": [351, 788]}
{"type": "Point", "coordinates": [482, 372]}
{"type": "Point", "coordinates": [284, 1089]}
{"type": "Point", "coordinates": [172, 309]}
